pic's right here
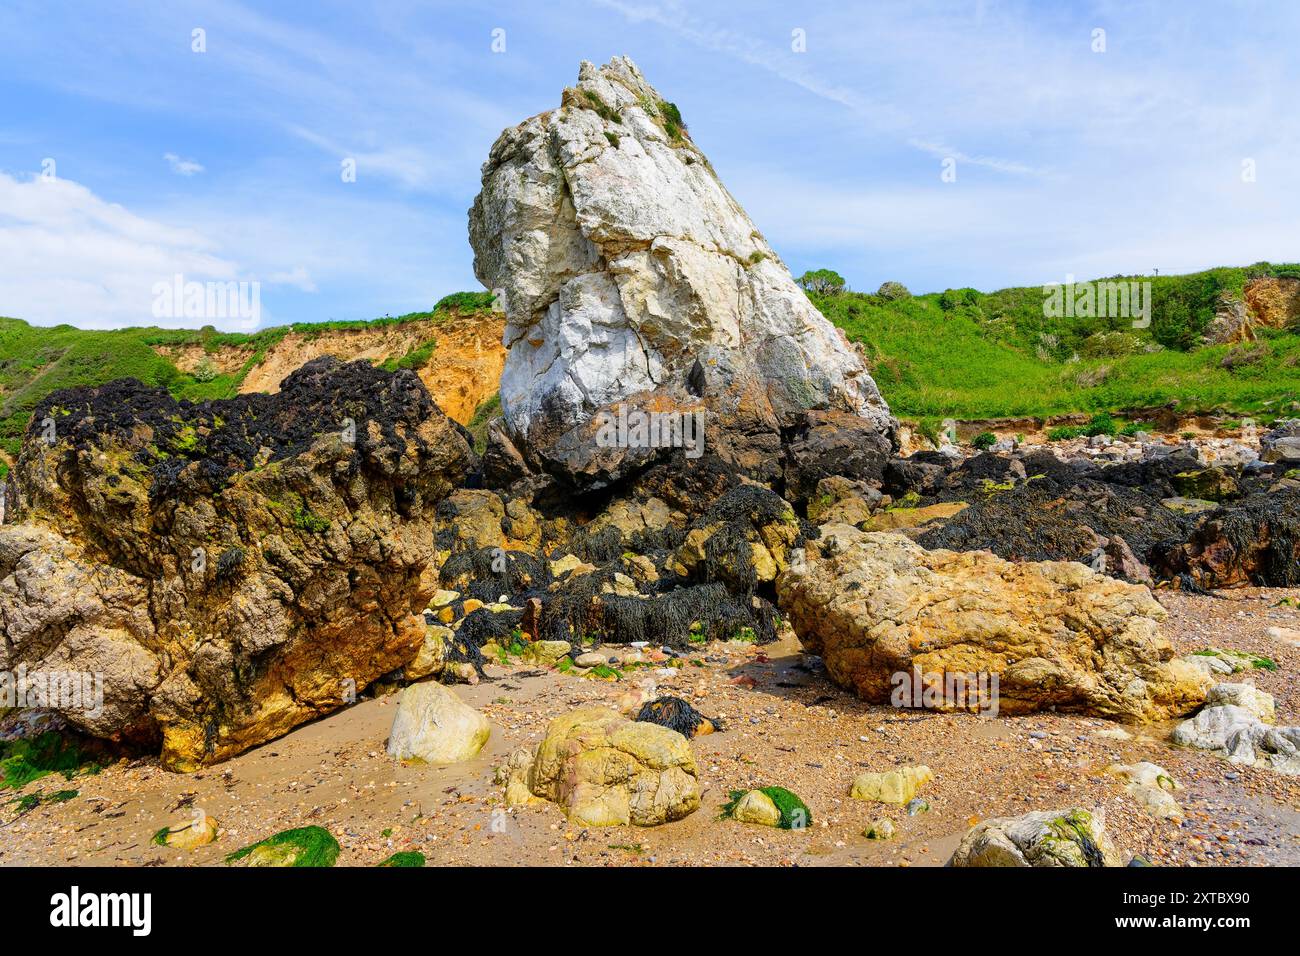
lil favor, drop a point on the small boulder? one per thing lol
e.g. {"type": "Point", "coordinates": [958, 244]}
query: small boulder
{"type": "Point", "coordinates": [605, 770]}
{"type": "Point", "coordinates": [892, 786]}
{"type": "Point", "coordinates": [1073, 837]}
{"type": "Point", "coordinates": [432, 725]}
{"type": "Point", "coordinates": [546, 653]}
{"type": "Point", "coordinates": [431, 658]}
{"type": "Point", "coordinates": [1151, 786]}
{"type": "Point", "coordinates": [791, 812]}
{"type": "Point", "coordinates": [189, 835]}
{"type": "Point", "coordinates": [300, 847]}
{"type": "Point", "coordinates": [881, 829]}
{"type": "Point", "coordinates": [1209, 484]}
{"type": "Point", "coordinates": [756, 807]}
{"type": "Point", "coordinates": [1246, 696]}
{"type": "Point", "coordinates": [1232, 726]}
{"type": "Point", "coordinates": [1286, 635]}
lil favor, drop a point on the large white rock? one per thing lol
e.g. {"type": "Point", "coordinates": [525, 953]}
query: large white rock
{"type": "Point", "coordinates": [1235, 723]}
{"type": "Point", "coordinates": [621, 261]}
{"type": "Point", "coordinates": [432, 725]}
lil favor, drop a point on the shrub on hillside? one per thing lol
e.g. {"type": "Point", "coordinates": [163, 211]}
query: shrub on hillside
{"type": "Point", "coordinates": [465, 302]}
{"type": "Point", "coordinates": [822, 282]}
{"type": "Point", "coordinates": [889, 291]}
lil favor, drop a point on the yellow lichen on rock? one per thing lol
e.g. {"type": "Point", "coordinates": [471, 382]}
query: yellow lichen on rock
{"type": "Point", "coordinates": [1054, 633]}
{"type": "Point", "coordinates": [605, 770]}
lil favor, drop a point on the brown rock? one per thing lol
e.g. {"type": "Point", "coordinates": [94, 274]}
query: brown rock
{"type": "Point", "coordinates": [1056, 634]}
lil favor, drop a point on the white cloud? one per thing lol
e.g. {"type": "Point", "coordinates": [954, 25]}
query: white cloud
{"type": "Point", "coordinates": [182, 167]}
{"type": "Point", "coordinates": [67, 255]}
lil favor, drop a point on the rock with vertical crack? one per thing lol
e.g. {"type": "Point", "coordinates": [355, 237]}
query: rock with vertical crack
{"type": "Point", "coordinates": [225, 571]}
{"type": "Point", "coordinates": [633, 281]}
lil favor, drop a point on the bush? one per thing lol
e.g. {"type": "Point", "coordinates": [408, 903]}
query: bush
{"type": "Point", "coordinates": [951, 299]}
{"type": "Point", "coordinates": [822, 282]}
{"type": "Point", "coordinates": [1064, 433]}
{"type": "Point", "coordinates": [984, 440]}
{"type": "Point", "coordinates": [889, 291]}
{"type": "Point", "coordinates": [204, 371]}
{"type": "Point", "coordinates": [674, 125]}
{"type": "Point", "coordinates": [465, 302]}
{"type": "Point", "coordinates": [1100, 424]}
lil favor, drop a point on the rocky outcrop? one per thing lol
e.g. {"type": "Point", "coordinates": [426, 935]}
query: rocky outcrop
{"type": "Point", "coordinates": [1254, 542]}
{"type": "Point", "coordinates": [458, 356]}
{"type": "Point", "coordinates": [605, 770]}
{"type": "Point", "coordinates": [1236, 723]}
{"type": "Point", "coordinates": [1266, 302]}
{"type": "Point", "coordinates": [1055, 634]}
{"type": "Point", "coordinates": [1074, 837]}
{"type": "Point", "coordinates": [226, 570]}
{"type": "Point", "coordinates": [634, 282]}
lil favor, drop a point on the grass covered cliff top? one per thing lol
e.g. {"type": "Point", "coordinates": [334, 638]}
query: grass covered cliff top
{"type": "Point", "coordinates": [967, 355]}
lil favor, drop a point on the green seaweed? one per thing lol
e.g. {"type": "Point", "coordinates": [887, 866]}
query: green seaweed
{"type": "Point", "coordinates": [25, 760]}
{"type": "Point", "coordinates": [301, 847]}
{"type": "Point", "coordinates": [795, 814]}
{"type": "Point", "coordinates": [405, 858]}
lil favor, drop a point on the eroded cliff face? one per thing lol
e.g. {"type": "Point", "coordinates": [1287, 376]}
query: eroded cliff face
{"type": "Point", "coordinates": [1267, 302]}
{"type": "Point", "coordinates": [230, 569]}
{"type": "Point", "coordinates": [630, 275]}
{"type": "Point", "coordinates": [462, 370]}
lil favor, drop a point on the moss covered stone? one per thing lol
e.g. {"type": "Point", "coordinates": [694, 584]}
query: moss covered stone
{"type": "Point", "coordinates": [300, 847]}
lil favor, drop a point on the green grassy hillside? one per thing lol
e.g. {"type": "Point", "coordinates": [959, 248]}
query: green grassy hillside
{"type": "Point", "coordinates": [970, 355]}
{"type": "Point", "coordinates": [959, 354]}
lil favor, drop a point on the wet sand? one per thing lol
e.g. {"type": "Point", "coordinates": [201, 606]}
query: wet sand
{"type": "Point", "coordinates": [792, 728]}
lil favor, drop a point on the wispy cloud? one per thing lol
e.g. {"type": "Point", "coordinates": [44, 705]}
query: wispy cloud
{"type": "Point", "coordinates": [881, 114]}
{"type": "Point", "coordinates": [182, 167]}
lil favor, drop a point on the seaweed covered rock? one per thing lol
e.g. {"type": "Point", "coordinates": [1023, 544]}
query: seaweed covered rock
{"type": "Point", "coordinates": [768, 806]}
{"type": "Point", "coordinates": [301, 847]}
{"type": "Point", "coordinates": [232, 568]}
{"type": "Point", "coordinates": [1254, 541]}
{"type": "Point", "coordinates": [742, 540]}
{"type": "Point", "coordinates": [1052, 514]}
{"type": "Point", "coordinates": [1074, 837]}
{"type": "Point", "coordinates": [676, 714]}
{"type": "Point", "coordinates": [633, 282]}
{"type": "Point", "coordinates": [605, 770]}
{"type": "Point", "coordinates": [190, 835]}
{"type": "Point", "coordinates": [1055, 634]}
{"type": "Point", "coordinates": [827, 444]}
{"type": "Point", "coordinates": [754, 806]}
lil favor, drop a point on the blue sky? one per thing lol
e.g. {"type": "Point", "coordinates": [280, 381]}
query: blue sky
{"type": "Point", "coordinates": [225, 164]}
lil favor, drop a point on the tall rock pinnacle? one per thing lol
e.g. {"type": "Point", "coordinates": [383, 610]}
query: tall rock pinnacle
{"type": "Point", "coordinates": [631, 276]}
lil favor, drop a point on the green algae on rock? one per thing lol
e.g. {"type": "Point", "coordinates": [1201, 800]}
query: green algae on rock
{"type": "Point", "coordinates": [301, 847]}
